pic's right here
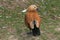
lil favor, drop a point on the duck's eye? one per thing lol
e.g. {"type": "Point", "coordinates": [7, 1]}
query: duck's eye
{"type": "Point", "coordinates": [34, 7]}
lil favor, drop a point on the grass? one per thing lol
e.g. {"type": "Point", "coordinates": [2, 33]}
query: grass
{"type": "Point", "coordinates": [12, 26]}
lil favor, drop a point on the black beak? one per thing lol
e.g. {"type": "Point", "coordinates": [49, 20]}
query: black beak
{"type": "Point", "coordinates": [38, 9]}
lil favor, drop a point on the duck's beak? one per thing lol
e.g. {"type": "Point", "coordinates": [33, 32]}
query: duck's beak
{"type": "Point", "coordinates": [24, 10]}
{"type": "Point", "coordinates": [38, 9]}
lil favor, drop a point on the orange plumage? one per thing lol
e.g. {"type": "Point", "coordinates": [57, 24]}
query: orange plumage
{"type": "Point", "coordinates": [33, 20]}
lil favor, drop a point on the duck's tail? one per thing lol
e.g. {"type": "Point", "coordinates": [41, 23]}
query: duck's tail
{"type": "Point", "coordinates": [35, 31]}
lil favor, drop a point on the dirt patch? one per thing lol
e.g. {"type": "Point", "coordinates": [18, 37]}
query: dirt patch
{"type": "Point", "coordinates": [12, 37]}
{"type": "Point", "coordinates": [28, 36]}
{"type": "Point", "coordinates": [57, 29]}
{"type": "Point", "coordinates": [51, 37]}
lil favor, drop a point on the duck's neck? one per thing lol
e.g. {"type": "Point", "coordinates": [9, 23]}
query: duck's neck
{"type": "Point", "coordinates": [32, 11]}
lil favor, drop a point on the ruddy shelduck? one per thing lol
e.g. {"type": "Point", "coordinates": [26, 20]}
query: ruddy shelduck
{"type": "Point", "coordinates": [32, 19]}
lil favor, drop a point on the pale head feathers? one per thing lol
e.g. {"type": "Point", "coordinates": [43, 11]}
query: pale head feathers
{"type": "Point", "coordinates": [30, 8]}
